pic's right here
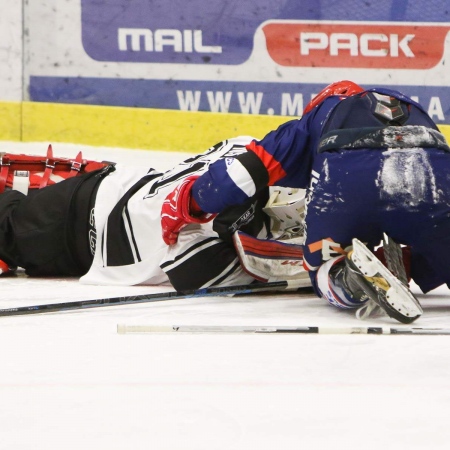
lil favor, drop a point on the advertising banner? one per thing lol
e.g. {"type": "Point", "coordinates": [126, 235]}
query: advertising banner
{"type": "Point", "coordinates": [257, 57]}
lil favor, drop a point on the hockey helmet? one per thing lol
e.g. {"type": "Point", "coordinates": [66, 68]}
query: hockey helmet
{"type": "Point", "coordinates": [344, 88]}
{"type": "Point", "coordinates": [286, 209]}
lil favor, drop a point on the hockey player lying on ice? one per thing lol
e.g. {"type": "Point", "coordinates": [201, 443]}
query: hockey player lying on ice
{"type": "Point", "coordinates": [373, 162]}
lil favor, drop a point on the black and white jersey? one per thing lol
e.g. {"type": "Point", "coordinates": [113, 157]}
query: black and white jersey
{"type": "Point", "coordinates": [129, 245]}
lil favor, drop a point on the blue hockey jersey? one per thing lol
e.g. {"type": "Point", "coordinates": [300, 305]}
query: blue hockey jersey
{"type": "Point", "coordinates": [284, 157]}
{"type": "Point", "coordinates": [373, 162]}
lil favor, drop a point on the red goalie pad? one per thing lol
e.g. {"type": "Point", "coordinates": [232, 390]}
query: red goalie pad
{"type": "Point", "coordinates": [24, 172]}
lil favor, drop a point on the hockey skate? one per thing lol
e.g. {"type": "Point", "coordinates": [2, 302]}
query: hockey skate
{"type": "Point", "coordinates": [381, 286]}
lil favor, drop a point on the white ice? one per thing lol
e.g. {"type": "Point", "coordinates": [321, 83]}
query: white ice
{"type": "Point", "coordinates": [69, 381]}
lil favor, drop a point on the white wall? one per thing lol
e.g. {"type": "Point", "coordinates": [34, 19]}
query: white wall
{"type": "Point", "coordinates": [11, 50]}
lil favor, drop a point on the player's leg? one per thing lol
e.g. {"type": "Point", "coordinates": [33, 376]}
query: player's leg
{"type": "Point", "coordinates": [38, 232]}
{"type": "Point", "coordinates": [418, 214]}
{"type": "Point", "coordinates": [341, 206]}
{"type": "Point", "coordinates": [9, 201]}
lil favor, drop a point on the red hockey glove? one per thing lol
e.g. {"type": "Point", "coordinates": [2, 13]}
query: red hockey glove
{"type": "Point", "coordinates": [178, 210]}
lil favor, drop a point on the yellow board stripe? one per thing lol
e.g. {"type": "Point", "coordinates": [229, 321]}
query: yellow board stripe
{"type": "Point", "coordinates": [445, 130]}
{"type": "Point", "coordinates": [138, 127]}
{"type": "Point", "coordinates": [10, 121]}
{"type": "Point", "coordinates": [141, 128]}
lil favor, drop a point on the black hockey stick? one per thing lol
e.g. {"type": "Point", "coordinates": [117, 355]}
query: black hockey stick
{"type": "Point", "coordinates": [158, 297]}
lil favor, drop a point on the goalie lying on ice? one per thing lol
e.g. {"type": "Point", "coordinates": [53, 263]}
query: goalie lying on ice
{"type": "Point", "coordinates": [102, 222]}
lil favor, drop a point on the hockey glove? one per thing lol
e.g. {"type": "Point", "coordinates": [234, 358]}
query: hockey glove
{"type": "Point", "coordinates": [180, 209]}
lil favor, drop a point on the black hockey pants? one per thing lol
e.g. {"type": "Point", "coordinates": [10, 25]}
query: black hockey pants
{"type": "Point", "coordinates": [46, 232]}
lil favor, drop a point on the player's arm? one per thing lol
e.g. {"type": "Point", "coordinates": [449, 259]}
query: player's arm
{"type": "Point", "coordinates": [200, 259]}
{"type": "Point", "coordinates": [230, 181]}
{"type": "Point", "coordinates": [282, 157]}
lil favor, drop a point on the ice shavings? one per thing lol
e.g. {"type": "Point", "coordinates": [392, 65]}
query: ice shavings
{"type": "Point", "coordinates": [411, 135]}
{"type": "Point", "coordinates": [408, 136]}
{"type": "Point", "coordinates": [326, 171]}
{"type": "Point", "coordinates": [407, 177]}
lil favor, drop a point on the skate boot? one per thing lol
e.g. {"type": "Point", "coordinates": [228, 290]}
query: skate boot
{"type": "Point", "coordinates": [365, 272]}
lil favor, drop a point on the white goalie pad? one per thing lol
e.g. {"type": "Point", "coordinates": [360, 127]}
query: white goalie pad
{"type": "Point", "coordinates": [270, 260]}
{"type": "Point", "coordinates": [286, 209]}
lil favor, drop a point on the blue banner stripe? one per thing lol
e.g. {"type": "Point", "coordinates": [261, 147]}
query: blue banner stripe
{"type": "Point", "coordinates": [213, 96]}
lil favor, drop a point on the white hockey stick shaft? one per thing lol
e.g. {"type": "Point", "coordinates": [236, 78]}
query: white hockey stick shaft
{"type": "Point", "coordinates": [127, 329]}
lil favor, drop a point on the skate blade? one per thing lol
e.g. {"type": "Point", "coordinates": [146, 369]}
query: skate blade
{"type": "Point", "coordinates": [370, 310]}
{"type": "Point", "coordinates": [399, 303]}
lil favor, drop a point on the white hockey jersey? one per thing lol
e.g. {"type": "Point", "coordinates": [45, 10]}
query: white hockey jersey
{"type": "Point", "coordinates": [129, 246]}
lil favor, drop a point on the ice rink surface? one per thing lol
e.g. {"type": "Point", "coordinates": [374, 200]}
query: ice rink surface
{"type": "Point", "coordinates": [69, 381]}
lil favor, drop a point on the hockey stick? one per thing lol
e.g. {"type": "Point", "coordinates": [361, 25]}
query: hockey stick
{"type": "Point", "coordinates": [158, 297]}
{"type": "Point", "coordinates": [126, 329]}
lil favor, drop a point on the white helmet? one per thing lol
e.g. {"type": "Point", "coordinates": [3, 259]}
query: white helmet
{"type": "Point", "coordinates": [286, 209]}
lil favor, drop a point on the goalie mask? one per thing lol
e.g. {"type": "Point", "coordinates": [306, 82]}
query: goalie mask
{"type": "Point", "coordinates": [286, 209]}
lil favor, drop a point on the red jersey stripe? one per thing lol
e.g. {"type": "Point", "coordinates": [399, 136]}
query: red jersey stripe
{"type": "Point", "coordinates": [274, 168]}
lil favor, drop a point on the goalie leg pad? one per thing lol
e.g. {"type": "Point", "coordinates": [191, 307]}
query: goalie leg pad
{"type": "Point", "coordinates": [269, 260]}
{"type": "Point", "coordinates": [27, 172]}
